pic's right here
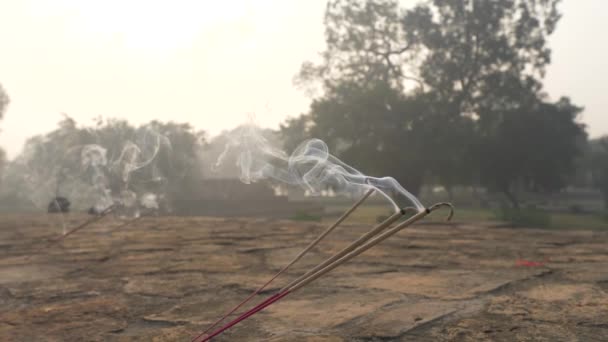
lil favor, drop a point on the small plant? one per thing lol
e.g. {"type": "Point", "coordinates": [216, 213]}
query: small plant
{"type": "Point", "coordinates": [576, 209]}
{"type": "Point", "coordinates": [304, 216]}
{"type": "Point", "coordinates": [525, 217]}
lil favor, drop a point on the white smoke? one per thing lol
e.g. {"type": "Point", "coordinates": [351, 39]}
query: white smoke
{"type": "Point", "coordinates": [119, 181]}
{"type": "Point", "coordinates": [149, 201]}
{"type": "Point", "coordinates": [94, 159]}
{"type": "Point", "coordinates": [310, 166]}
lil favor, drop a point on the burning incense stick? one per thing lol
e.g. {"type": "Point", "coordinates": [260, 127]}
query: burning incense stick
{"type": "Point", "coordinates": [125, 224]}
{"type": "Point", "coordinates": [396, 216]}
{"type": "Point", "coordinates": [330, 265]}
{"type": "Point", "coordinates": [295, 259]}
{"type": "Point", "coordinates": [374, 231]}
{"type": "Point", "coordinates": [376, 240]}
{"type": "Point", "coordinates": [131, 221]}
{"type": "Point", "coordinates": [86, 223]}
{"type": "Point", "coordinates": [53, 242]}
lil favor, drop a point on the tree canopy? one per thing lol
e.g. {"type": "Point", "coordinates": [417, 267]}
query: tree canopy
{"type": "Point", "coordinates": [4, 100]}
{"type": "Point", "coordinates": [599, 165]}
{"type": "Point", "coordinates": [440, 91]}
{"type": "Point", "coordinates": [362, 124]}
{"type": "Point", "coordinates": [109, 161]}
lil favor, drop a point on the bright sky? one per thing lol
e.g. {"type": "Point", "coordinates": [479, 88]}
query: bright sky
{"type": "Point", "coordinates": [210, 63]}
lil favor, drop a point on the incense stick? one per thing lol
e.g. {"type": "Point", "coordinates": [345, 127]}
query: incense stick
{"type": "Point", "coordinates": [53, 242]}
{"type": "Point", "coordinates": [305, 280]}
{"type": "Point", "coordinates": [288, 289]}
{"type": "Point", "coordinates": [343, 217]}
{"type": "Point", "coordinates": [129, 222]}
{"type": "Point", "coordinates": [86, 223]}
{"type": "Point", "coordinates": [364, 238]}
{"type": "Point", "coordinates": [371, 243]}
{"type": "Point", "coordinates": [387, 222]}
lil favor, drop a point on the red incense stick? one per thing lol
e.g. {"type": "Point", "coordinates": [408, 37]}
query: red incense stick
{"type": "Point", "coordinates": [308, 278]}
{"type": "Point", "coordinates": [297, 258]}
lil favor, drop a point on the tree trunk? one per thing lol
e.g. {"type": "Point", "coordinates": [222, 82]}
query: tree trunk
{"type": "Point", "coordinates": [475, 195]}
{"type": "Point", "coordinates": [450, 192]}
{"type": "Point", "coordinates": [412, 183]}
{"type": "Point", "coordinates": [511, 197]}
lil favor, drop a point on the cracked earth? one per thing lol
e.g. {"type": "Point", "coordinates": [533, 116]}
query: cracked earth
{"type": "Point", "coordinates": [166, 278]}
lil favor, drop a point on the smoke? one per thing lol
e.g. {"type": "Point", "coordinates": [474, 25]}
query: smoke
{"type": "Point", "coordinates": [76, 168]}
{"type": "Point", "coordinates": [43, 173]}
{"type": "Point", "coordinates": [310, 167]}
{"type": "Point", "coordinates": [132, 179]}
{"type": "Point", "coordinates": [149, 201]}
{"type": "Point", "coordinates": [94, 160]}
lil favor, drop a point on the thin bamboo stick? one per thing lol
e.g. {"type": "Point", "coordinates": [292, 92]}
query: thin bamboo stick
{"type": "Point", "coordinates": [86, 223]}
{"type": "Point", "coordinates": [365, 237]}
{"type": "Point", "coordinates": [128, 222]}
{"type": "Point", "coordinates": [305, 280]}
{"type": "Point", "coordinates": [369, 244]}
{"type": "Point", "coordinates": [53, 242]}
{"type": "Point", "coordinates": [376, 240]}
{"type": "Point", "coordinates": [312, 244]}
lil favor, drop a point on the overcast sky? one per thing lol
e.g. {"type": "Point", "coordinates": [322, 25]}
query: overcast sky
{"type": "Point", "coordinates": [211, 63]}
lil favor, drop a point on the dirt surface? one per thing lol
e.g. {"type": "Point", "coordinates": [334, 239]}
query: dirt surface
{"type": "Point", "coordinates": [164, 279]}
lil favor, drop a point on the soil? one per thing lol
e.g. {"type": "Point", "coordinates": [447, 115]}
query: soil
{"type": "Point", "coordinates": [167, 278]}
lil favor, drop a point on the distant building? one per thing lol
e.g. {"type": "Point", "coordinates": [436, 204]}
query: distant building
{"type": "Point", "coordinates": [230, 197]}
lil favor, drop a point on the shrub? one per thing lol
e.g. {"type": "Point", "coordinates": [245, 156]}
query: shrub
{"type": "Point", "coordinates": [576, 209]}
{"type": "Point", "coordinates": [304, 216]}
{"type": "Point", "coordinates": [525, 217]}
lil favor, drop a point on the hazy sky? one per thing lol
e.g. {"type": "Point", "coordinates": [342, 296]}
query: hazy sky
{"type": "Point", "coordinates": [211, 63]}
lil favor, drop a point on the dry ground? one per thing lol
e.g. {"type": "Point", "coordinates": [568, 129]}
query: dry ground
{"type": "Point", "coordinates": [165, 278]}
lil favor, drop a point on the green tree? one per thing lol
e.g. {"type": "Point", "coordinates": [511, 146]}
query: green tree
{"type": "Point", "coordinates": [49, 166]}
{"type": "Point", "coordinates": [485, 60]}
{"type": "Point", "coordinates": [473, 69]}
{"type": "Point", "coordinates": [170, 151]}
{"type": "Point", "coordinates": [535, 149]}
{"type": "Point", "coordinates": [178, 162]}
{"type": "Point", "coordinates": [599, 165]}
{"type": "Point", "coordinates": [365, 44]}
{"type": "Point", "coordinates": [472, 52]}
{"type": "Point", "coordinates": [4, 100]}
{"type": "Point", "coordinates": [160, 158]}
{"type": "Point", "coordinates": [371, 53]}
{"type": "Point", "coordinates": [364, 115]}
{"type": "Point", "coordinates": [2, 166]}
{"type": "Point", "coordinates": [221, 154]}
{"type": "Point", "coordinates": [373, 127]}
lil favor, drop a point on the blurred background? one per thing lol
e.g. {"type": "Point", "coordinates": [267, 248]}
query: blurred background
{"type": "Point", "coordinates": [496, 106]}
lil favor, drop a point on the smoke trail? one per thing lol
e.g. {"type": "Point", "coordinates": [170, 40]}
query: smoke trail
{"type": "Point", "coordinates": [91, 168]}
{"type": "Point", "coordinates": [45, 170]}
{"type": "Point", "coordinates": [310, 166]}
{"type": "Point", "coordinates": [135, 156]}
{"type": "Point", "coordinates": [94, 159]}
{"type": "Point", "coordinates": [126, 181]}
{"type": "Point", "coordinates": [149, 201]}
